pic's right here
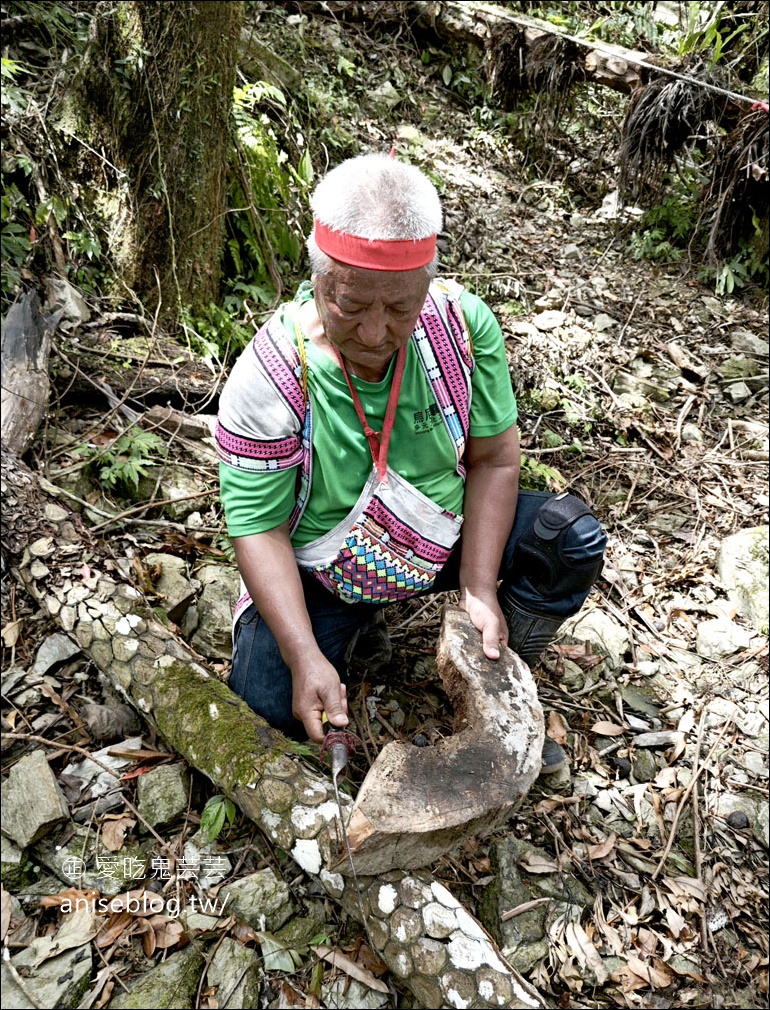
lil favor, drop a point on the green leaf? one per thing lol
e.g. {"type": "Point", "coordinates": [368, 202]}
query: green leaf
{"type": "Point", "coordinates": [305, 168]}
{"type": "Point", "coordinates": [446, 73]}
{"type": "Point", "coordinates": [218, 810]}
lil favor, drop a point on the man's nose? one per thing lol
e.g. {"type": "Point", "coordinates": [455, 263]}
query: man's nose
{"type": "Point", "coordinates": [372, 328]}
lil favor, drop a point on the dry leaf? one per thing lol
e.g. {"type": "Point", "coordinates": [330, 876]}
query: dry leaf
{"type": "Point", "coordinates": [557, 728]}
{"type": "Point", "coordinates": [244, 934]}
{"type": "Point", "coordinates": [686, 886]}
{"type": "Point", "coordinates": [554, 802]}
{"type": "Point", "coordinates": [666, 778]}
{"type": "Point", "coordinates": [5, 912]}
{"type": "Point", "coordinates": [587, 955]}
{"type": "Point", "coordinates": [168, 931]}
{"type": "Point", "coordinates": [656, 975]}
{"type": "Point", "coordinates": [114, 832]}
{"type": "Point", "coordinates": [110, 722]}
{"type": "Point", "coordinates": [10, 633]}
{"type": "Point", "coordinates": [76, 929]}
{"type": "Point", "coordinates": [608, 729]}
{"type": "Point", "coordinates": [602, 849]}
{"type": "Point", "coordinates": [339, 960]}
{"type": "Point", "coordinates": [117, 924]}
{"type": "Point", "coordinates": [148, 936]}
{"type": "Point", "coordinates": [645, 941]}
{"type": "Point", "coordinates": [533, 863]}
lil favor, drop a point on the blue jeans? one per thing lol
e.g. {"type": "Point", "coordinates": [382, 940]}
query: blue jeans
{"type": "Point", "coordinates": [558, 588]}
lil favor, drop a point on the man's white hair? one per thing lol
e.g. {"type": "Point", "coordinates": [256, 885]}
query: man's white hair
{"type": "Point", "coordinates": [376, 197]}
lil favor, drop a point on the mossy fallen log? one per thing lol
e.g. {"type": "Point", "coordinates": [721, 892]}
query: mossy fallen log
{"type": "Point", "coordinates": [428, 940]}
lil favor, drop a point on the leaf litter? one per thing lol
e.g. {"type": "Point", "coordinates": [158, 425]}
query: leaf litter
{"type": "Point", "coordinates": [665, 746]}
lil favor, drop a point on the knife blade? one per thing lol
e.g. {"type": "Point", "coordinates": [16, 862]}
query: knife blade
{"type": "Point", "coordinates": [339, 744]}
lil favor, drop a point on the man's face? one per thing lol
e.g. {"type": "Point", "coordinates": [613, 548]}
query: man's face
{"type": "Point", "coordinates": [369, 314]}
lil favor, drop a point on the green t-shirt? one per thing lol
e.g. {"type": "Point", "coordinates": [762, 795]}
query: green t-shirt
{"type": "Point", "coordinates": [421, 449]}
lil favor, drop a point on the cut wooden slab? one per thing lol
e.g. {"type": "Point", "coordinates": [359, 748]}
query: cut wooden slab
{"type": "Point", "coordinates": [417, 803]}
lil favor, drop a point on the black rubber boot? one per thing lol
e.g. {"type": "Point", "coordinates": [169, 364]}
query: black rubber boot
{"type": "Point", "coordinates": [554, 758]}
{"type": "Point", "coordinates": [529, 633]}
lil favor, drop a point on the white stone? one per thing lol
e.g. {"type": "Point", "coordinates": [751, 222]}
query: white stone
{"type": "Point", "coordinates": [333, 882]}
{"type": "Point", "coordinates": [602, 322]}
{"type": "Point", "coordinates": [720, 638]}
{"type": "Point", "coordinates": [742, 564]}
{"type": "Point", "coordinates": [387, 899]}
{"type": "Point", "coordinates": [552, 319]}
{"type": "Point", "coordinates": [440, 893]}
{"type": "Point", "coordinates": [605, 635]}
{"type": "Point", "coordinates": [307, 854]}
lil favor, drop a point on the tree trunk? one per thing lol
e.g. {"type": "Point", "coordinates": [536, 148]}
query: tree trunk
{"type": "Point", "coordinates": [26, 342]}
{"type": "Point", "coordinates": [427, 939]}
{"type": "Point", "coordinates": [157, 85]}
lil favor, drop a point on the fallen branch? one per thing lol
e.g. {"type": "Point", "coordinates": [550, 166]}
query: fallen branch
{"type": "Point", "coordinates": [424, 935]}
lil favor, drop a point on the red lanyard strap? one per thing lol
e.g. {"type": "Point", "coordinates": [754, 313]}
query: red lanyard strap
{"type": "Point", "coordinates": [378, 440]}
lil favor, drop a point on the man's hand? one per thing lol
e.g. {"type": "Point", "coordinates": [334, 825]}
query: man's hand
{"type": "Point", "coordinates": [317, 689]}
{"type": "Point", "coordinates": [486, 615]}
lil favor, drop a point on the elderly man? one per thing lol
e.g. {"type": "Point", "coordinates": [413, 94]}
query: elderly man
{"type": "Point", "coordinates": [369, 453]}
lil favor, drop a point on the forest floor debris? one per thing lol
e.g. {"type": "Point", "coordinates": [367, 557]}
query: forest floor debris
{"type": "Point", "coordinates": [637, 876]}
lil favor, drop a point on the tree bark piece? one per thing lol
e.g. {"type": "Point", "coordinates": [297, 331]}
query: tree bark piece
{"type": "Point", "coordinates": [26, 343]}
{"type": "Point", "coordinates": [427, 939]}
{"type": "Point", "coordinates": [416, 803]}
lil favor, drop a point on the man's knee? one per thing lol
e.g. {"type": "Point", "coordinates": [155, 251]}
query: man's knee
{"type": "Point", "coordinates": [561, 553]}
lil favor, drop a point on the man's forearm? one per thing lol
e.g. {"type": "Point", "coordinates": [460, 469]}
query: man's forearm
{"type": "Point", "coordinates": [269, 571]}
{"type": "Point", "coordinates": [489, 508]}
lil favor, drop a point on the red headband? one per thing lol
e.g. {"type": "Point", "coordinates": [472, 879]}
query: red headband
{"type": "Point", "coordinates": [375, 254]}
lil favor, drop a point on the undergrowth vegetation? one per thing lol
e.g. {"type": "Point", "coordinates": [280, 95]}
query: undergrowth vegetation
{"type": "Point", "coordinates": [567, 131]}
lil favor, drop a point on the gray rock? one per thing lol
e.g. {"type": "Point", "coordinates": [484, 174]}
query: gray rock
{"type": "Point", "coordinates": [62, 297]}
{"type": "Point", "coordinates": [173, 584]}
{"type": "Point", "coordinates": [691, 433]}
{"type": "Point", "coordinates": [261, 900]}
{"type": "Point", "coordinates": [221, 586]}
{"type": "Point", "coordinates": [720, 638]}
{"type": "Point", "coordinates": [662, 738]}
{"type": "Point", "coordinates": [33, 804]}
{"type": "Point", "coordinates": [602, 633]}
{"type": "Point", "coordinates": [742, 564]}
{"type": "Point", "coordinates": [738, 392]}
{"type": "Point", "coordinates": [213, 866]}
{"type": "Point", "coordinates": [81, 861]}
{"type": "Point", "coordinates": [386, 96]}
{"type": "Point", "coordinates": [523, 936]}
{"type": "Point", "coordinates": [163, 794]}
{"type": "Point", "coordinates": [15, 868]}
{"type": "Point", "coordinates": [756, 809]}
{"type": "Point", "coordinates": [234, 970]}
{"type": "Point", "coordinates": [174, 484]}
{"type": "Point", "coordinates": [55, 649]}
{"type": "Point", "coordinates": [551, 319]}
{"type": "Point", "coordinates": [746, 342]}
{"type": "Point", "coordinates": [170, 985]}
{"type": "Point", "coordinates": [602, 322]}
{"type": "Point", "coordinates": [58, 982]}
{"type": "Point", "coordinates": [645, 767]}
